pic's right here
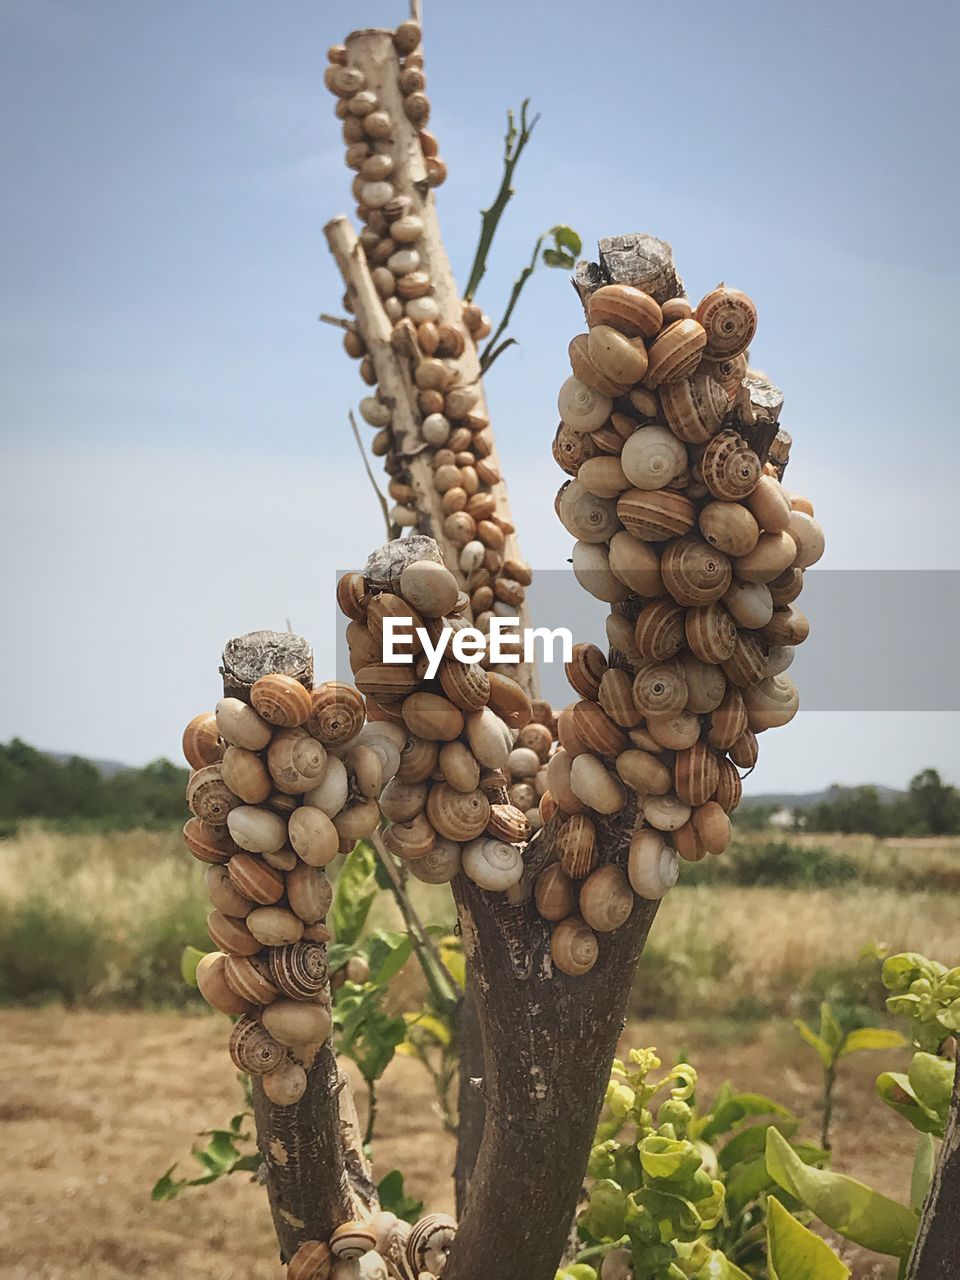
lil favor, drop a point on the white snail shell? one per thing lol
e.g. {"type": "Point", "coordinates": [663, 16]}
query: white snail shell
{"type": "Point", "coordinates": [771, 703]}
{"type": "Point", "coordinates": [581, 407]}
{"type": "Point", "coordinates": [492, 864]}
{"type": "Point", "coordinates": [587, 517]}
{"type": "Point", "coordinates": [652, 866]}
{"type": "Point", "coordinates": [750, 604]}
{"type": "Point", "coordinates": [779, 659]}
{"type": "Point", "coordinates": [591, 568]}
{"type": "Point", "coordinates": [666, 812]}
{"type": "Point", "coordinates": [652, 457]}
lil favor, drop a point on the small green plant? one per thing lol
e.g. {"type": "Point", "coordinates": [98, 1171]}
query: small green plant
{"type": "Point", "coordinates": [48, 954]}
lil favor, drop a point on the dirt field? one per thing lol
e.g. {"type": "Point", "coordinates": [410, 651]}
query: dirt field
{"type": "Point", "coordinates": [94, 1107]}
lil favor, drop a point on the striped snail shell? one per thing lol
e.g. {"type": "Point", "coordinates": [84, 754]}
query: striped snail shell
{"type": "Point", "coordinates": [418, 759]}
{"type": "Point", "coordinates": [771, 703]}
{"type": "Point", "coordinates": [694, 407]}
{"type": "Point", "coordinates": [402, 801]}
{"type": "Point", "coordinates": [711, 632]}
{"type": "Point", "coordinates": [643, 772]}
{"type": "Point", "coordinates": [695, 774]}
{"type": "Point", "coordinates": [666, 812]}
{"type": "Point", "coordinates": [653, 515]}
{"type": "Point", "coordinates": [707, 831]}
{"type": "Point", "coordinates": [457, 815]}
{"type": "Point", "coordinates": [352, 1240]}
{"type": "Point", "coordinates": [231, 935]}
{"type": "Point", "coordinates": [428, 715]}
{"type": "Point", "coordinates": [386, 681]}
{"type": "Point", "coordinates": [659, 630]}
{"type": "Point", "coordinates": [508, 823]}
{"type": "Point", "coordinates": [631, 311]}
{"type": "Point", "coordinates": [280, 700]}
{"type": "Point", "coordinates": [675, 353]}
{"type": "Point", "coordinates": [606, 899]}
{"type": "Point", "coordinates": [352, 597]}
{"type": "Point", "coordinates": [788, 626]}
{"type": "Point", "coordinates": [309, 892]}
{"type": "Point", "coordinates": [440, 865]}
{"type": "Point", "coordinates": [746, 664]}
{"type": "Point", "coordinates": [466, 684]}
{"type": "Point", "coordinates": [492, 864]}
{"type": "Point", "coordinates": [208, 843]}
{"type": "Point", "coordinates": [201, 741]}
{"type": "Point", "coordinates": [706, 683]}
{"type": "Point", "coordinates": [729, 318]}
{"type": "Point", "coordinates": [252, 1048]}
{"type": "Point", "coordinates": [299, 970]}
{"type": "Point", "coordinates": [653, 868]}
{"type": "Point", "coordinates": [729, 467]}
{"type": "Point", "coordinates": [586, 669]}
{"type": "Point", "coordinates": [652, 457]}
{"type": "Point", "coordinates": [410, 840]}
{"type": "Point", "coordinates": [745, 750]}
{"type": "Point", "coordinates": [588, 370]}
{"type": "Point", "coordinates": [581, 407]}
{"type": "Point", "coordinates": [587, 517]}
{"type": "Point", "coordinates": [554, 893]}
{"type": "Point", "coordinates": [728, 722]}
{"type": "Point", "coordinates": [616, 698]}
{"type": "Point", "coordinates": [729, 787]}
{"type": "Point", "coordinates": [209, 797]}
{"type": "Point", "coordinates": [256, 881]}
{"type": "Point", "coordinates": [694, 572]}
{"type": "Point", "coordinates": [223, 894]}
{"type": "Point", "coordinates": [729, 372]}
{"type": "Point", "coordinates": [596, 730]}
{"type": "Point", "coordinates": [213, 986]}
{"type": "Point", "coordinates": [249, 976]}
{"type": "Point", "coordinates": [336, 713]}
{"type": "Point", "coordinates": [571, 449]}
{"type": "Point", "coordinates": [429, 1243]}
{"type": "Point", "coordinates": [786, 586]}
{"type": "Point", "coordinates": [660, 690]}
{"type": "Point", "coordinates": [573, 947]}
{"type": "Point", "coordinates": [312, 1261]}
{"type": "Point", "coordinates": [558, 782]}
{"type": "Point", "coordinates": [577, 846]}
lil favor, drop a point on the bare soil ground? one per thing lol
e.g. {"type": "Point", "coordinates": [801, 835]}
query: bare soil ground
{"type": "Point", "coordinates": [94, 1107]}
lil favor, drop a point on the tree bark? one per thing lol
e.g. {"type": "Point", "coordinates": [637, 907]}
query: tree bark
{"type": "Point", "coordinates": [313, 1163]}
{"type": "Point", "coordinates": [471, 1108]}
{"type": "Point", "coordinates": [936, 1250]}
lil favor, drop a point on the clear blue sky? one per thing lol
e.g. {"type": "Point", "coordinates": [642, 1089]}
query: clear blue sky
{"type": "Point", "coordinates": [177, 466]}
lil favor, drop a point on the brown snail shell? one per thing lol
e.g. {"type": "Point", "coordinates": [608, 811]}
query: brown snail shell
{"type": "Point", "coordinates": [589, 372]}
{"type": "Point", "coordinates": [631, 311]}
{"type": "Point", "coordinates": [457, 815]}
{"type": "Point", "coordinates": [708, 831]}
{"type": "Point", "coordinates": [312, 1261]}
{"type": "Point", "coordinates": [582, 408]}
{"type": "Point", "coordinates": [440, 865]}
{"type": "Point", "coordinates": [729, 372]}
{"type": "Point", "coordinates": [643, 772]}
{"type": "Point", "coordinates": [571, 449]}
{"type": "Point", "coordinates": [274, 926]}
{"type": "Point", "coordinates": [586, 669]}
{"type": "Point", "coordinates": [694, 407]}
{"type": "Point", "coordinates": [554, 893]}
{"type": "Point", "coordinates": [773, 553]}
{"type": "Point", "coordinates": [241, 726]}
{"type": "Point", "coordinates": [508, 823]}
{"type": "Point", "coordinates": [336, 713]}
{"type": "Point", "coordinates": [596, 730]}
{"type": "Point", "coordinates": [573, 947]}
{"type": "Point", "coordinates": [693, 572]}
{"type": "Point", "coordinates": [745, 666]}
{"type": "Point", "coordinates": [285, 1086]}
{"type": "Point", "coordinates": [729, 318]}
{"type": "Point", "coordinates": [745, 750]}
{"type": "Point", "coordinates": [595, 786]}
{"type": "Point", "coordinates": [653, 515]}
{"type": "Point", "coordinates": [509, 701]}
{"type": "Point", "coordinates": [576, 846]}
{"type": "Point", "coordinates": [357, 821]}
{"type": "Point", "coordinates": [430, 587]}
{"type": "Point", "coordinates": [252, 1048]}
{"type": "Point", "coordinates": [616, 698]}
{"type": "Point", "coordinates": [249, 977]}
{"type": "Point", "coordinates": [711, 633]}
{"type": "Point", "coordinates": [466, 684]}
{"type": "Point", "coordinates": [558, 782]}
{"type": "Point", "coordinates": [728, 722]}
{"type": "Point", "coordinates": [429, 1244]}
{"type": "Point", "coordinates": [459, 768]}
{"type": "Point", "coordinates": [659, 630]}
{"type": "Point", "coordinates": [418, 759]}
{"type": "Point", "coordinates": [223, 894]}
{"type": "Point", "coordinates": [706, 683]}
{"type": "Point", "coordinates": [786, 586]}
{"type": "Point", "coordinates": [410, 840]}
{"type": "Point", "coordinates": [296, 761]}
{"type": "Point", "coordinates": [606, 899]}
{"type": "Point", "coordinates": [280, 700]}
{"type": "Point", "coordinates": [386, 681]}
{"type": "Point", "coordinates": [246, 775]}
{"type": "Point", "coordinates": [299, 970]}
{"type": "Point", "coordinates": [587, 517]}
{"type": "Point", "coordinates": [788, 626]}
{"type": "Point", "coordinates": [604, 477]}
{"type": "Point", "coordinates": [309, 892]}
{"type": "Point", "coordinates": [352, 1240]}
{"type": "Point", "coordinates": [314, 835]}
{"type": "Point", "coordinates": [729, 787]}
{"type": "Point", "coordinates": [729, 467]}
{"type": "Point", "coordinates": [675, 733]}
{"type": "Point", "coordinates": [254, 880]}
{"type": "Point", "coordinates": [567, 734]}
{"type": "Point", "coordinates": [771, 703]}
{"type": "Point", "coordinates": [429, 716]}
{"type": "Point", "coordinates": [750, 604]}
{"type": "Point", "coordinates": [729, 527]}
{"type": "Point", "coordinates": [209, 797]}
{"type": "Point", "coordinates": [208, 843]}
{"type": "Point", "coordinates": [201, 740]}
{"type": "Point", "coordinates": [675, 353]}
{"type": "Point", "coordinates": [214, 987]}
{"type": "Point", "coordinates": [660, 690]}
{"type": "Point", "coordinates": [808, 535]}
{"type": "Point", "coordinates": [636, 564]}
{"type": "Point", "coordinates": [297, 1022]}
{"type": "Point", "coordinates": [695, 774]}
{"type": "Point", "coordinates": [231, 935]}
{"type": "Point", "coordinates": [621, 359]}
{"type": "Point", "coordinates": [770, 505]}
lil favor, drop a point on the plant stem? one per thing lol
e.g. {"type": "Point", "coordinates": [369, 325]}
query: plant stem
{"type": "Point", "coordinates": [488, 354]}
{"type": "Point", "coordinates": [391, 533]}
{"type": "Point", "coordinates": [371, 1112]}
{"type": "Point", "coordinates": [829, 1080]}
{"type": "Point", "coordinates": [513, 144]}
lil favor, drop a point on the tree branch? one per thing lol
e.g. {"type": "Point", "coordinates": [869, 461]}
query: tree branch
{"type": "Point", "coordinates": [937, 1246]}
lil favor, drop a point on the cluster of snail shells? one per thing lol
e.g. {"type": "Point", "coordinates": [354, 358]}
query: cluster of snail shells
{"type": "Point", "coordinates": [446, 805]}
{"type": "Point", "coordinates": [279, 786]}
{"type": "Point", "coordinates": [699, 550]}
{"type": "Point", "coordinates": [382, 1248]}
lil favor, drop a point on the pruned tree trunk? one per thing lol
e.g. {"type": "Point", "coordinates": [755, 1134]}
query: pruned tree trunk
{"type": "Point", "coordinates": [471, 1107]}
{"type": "Point", "coordinates": [936, 1250]}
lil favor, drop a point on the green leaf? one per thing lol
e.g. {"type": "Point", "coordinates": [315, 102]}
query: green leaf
{"type": "Point", "coordinates": [393, 1198]}
{"type": "Point", "coordinates": [568, 238]}
{"type": "Point", "coordinates": [830, 1030]}
{"type": "Point", "coordinates": [795, 1253]}
{"type": "Point", "coordinates": [719, 1267]}
{"type": "Point", "coordinates": [897, 1092]}
{"type": "Point", "coordinates": [668, 1157]}
{"type": "Point", "coordinates": [853, 1209]}
{"type": "Point", "coordinates": [387, 952]}
{"type": "Point", "coordinates": [924, 1163]}
{"type": "Point", "coordinates": [752, 1141]}
{"type": "Point", "coordinates": [816, 1042]}
{"type": "Point", "coordinates": [555, 258]}
{"type": "Point", "coordinates": [167, 1187]}
{"type": "Point", "coordinates": [606, 1211]}
{"type": "Point", "coordinates": [737, 1107]}
{"type": "Point", "coordinates": [872, 1038]}
{"type": "Point", "coordinates": [355, 892]}
{"type": "Point", "coordinates": [751, 1178]}
{"type": "Point", "coordinates": [190, 957]}
{"type": "Point", "coordinates": [931, 1079]}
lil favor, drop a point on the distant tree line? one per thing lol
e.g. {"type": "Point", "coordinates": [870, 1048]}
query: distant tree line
{"type": "Point", "coordinates": [930, 807]}
{"type": "Point", "coordinates": [36, 785]}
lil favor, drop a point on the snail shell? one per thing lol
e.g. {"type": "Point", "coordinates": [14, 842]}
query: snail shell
{"type": "Point", "coordinates": [745, 750]}
{"type": "Point", "coordinates": [573, 947]}
{"type": "Point", "coordinates": [299, 970]}
{"type": "Point", "coordinates": [711, 632]}
{"type": "Point", "coordinates": [695, 774]}
{"type": "Point", "coordinates": [209, 797]}
{"type": "Point", "coordinates": [666, 812]}
{"type": "Point", "coordinates": [729, 467]}
{"type": "Point", "coordinates": [312, 1261]}
{"type": "Point", "coordinates": [313, 835]}
{"type": "Point", "coordinates": [410, 840]}
{"type": "Point", "coordinates": [274, 926]}
{"type": "Point", "coordinates": [253, 1049]}
{"type": "Point", "coordinates": [729, 318]}
{"type": "Point", "coordinates": [489, 738]}
{"type": "Point", "coordinates": [386, 681]}
{"type": "Point", "coordinates": [693, 572]}
{"type": "Point", "coordinates": [616, 698]}
{"type": "Point", "coordinates": [457, 815]}
{"type": "Point", "coordinates": [729, 372]}
{"type": "Point", "coordinates": [606, 899]}
{"type": "Point", "coordinates": [336, 713]}
{"type": "Point", "coordinates": [746, 664]}
{"type": "Point", "coordinates": [786, 586]}
{"type": "Point", "coordinates": [330, 791]}
{"type": "Point", "coordinates": [623, 360]}
{"type": "Point", "coordinates": [808, 535]}
{"type": "Point", "coordinates": [285, 1086]}
{"type": "Point", "coordinates": [429, 1243]}
{"type": "Point", "coordinates": [694, 407]}
{"type": "Point", "coordinates": [595, 786]}
{"type": "Point", "coordinates": [431, 588]}
{"type": "Point", "coordinates": [577, 846]}
{"type": "Point", "coordinates": [587, 517]}
{"type": "Point", "coordinates": [773, 553]}
{"type": "Point", "coordinates": [581, 407]}
{"type": "Point", "coordinates": [249, 978]}
{"type": "Point", "coordinates": [675, 353]}
{"type": "Point", "coordinates": [706, 683]}
{"type": "Point", "coordinates": [459, 768]}
{"type": "Point", "coordinates": [223, 894]}
{"type": "Point", "coordinates": [676, 733]}
{"type": "Point", "coordinates": [660, 690]}
{"type": "Point", "coordinates": [280, 700]}
{"type": "Point", "coordinates": [652, 457]}
{"type": "Point", "coordinates": [241, 726]}
{"type": "Point", "coordinates": [508, 823]}
{"type": "Point", "coordinates": [297, 1022]}
{"type": "Point", "coordinates": [296, 761]}
{"type": "Point", "coordinates": [201, 740]}
{"type": "Point", "coordinates": [636, 564]}
{"type": "Point", "coordinates": [629, 310]}
{"type": "Point", "coordinates": [586, 669]}
{"type": "Point", "coordinates": [418, 759]}
{"type": "Point", "coordinates": [492, 864]}
{"type": "Point", "coordinates": [554, 893]}
{"type": "Point", "coordinates": [591, 568]}
{"type": "Point", "coordinates": [779, 658]}
{"type": "Point", "coordinates": [728, 722]}
{"type": "Point", "coordinates": [231, 935]}
{"type": "Point", "coordinates": [729, 787]}
{"type": "Point", "coordinates": [729, 527]}
{"type": "Point", "coordinates": [208, 843]}
{"type": "Point", "coordinates": [214, 987]}
{"type": "Point", "coordinates": [309, 892]}
{"type": "Point", "coordinates": [643, 772]}
{"type": "Point", "coordinates": [654, 515]}
{"type": "Point", "coordinates": [596, 730]}
{"type": "Point", "coordinates": [429, 716]}
{"type": "Point", "coordinates": [659, 630]}
{"type": "Point", "coordinates": [439, 866]}
{"type": "Point", "coordinates": [771, 703]}
{"type": "Point", "coordinates": [558, 782]}
{"type": "Point", "coordinates": [652, 867]}
{"type": "Point", "coordinates": [571, 449]}
{"type": "Point", "coordinates": [254, 880]}
{"type": "Point", "coordinates": [619, 631]}
{"type": "Point", "coordinates": [770, 505]}
{"type": "Point", "coordinates": [257, 830]}
{"type": "Point", "coordinates": [604, 477]}
{"type": "Point", "coordinates": [352, 1240]}
{"type": "Point", "coordinates": [708, 831]}
{"type": "Point", "coordinates": [466, 684]}
{"type": "Point", "coordinates": [749, 604]}
{"type": "Point", "coordinates": [589, 372]}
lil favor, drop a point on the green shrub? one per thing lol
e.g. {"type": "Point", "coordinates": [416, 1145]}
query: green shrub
{"type": "Point", "coordinates": [776, 863]}
{"type": "Point", "coordinates": [46, 954]}
{"type": "Point", "coordinates": [150, 973]}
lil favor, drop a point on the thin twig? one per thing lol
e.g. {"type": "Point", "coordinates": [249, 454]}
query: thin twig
{"type": "Point", "coordinates": [489, 354]}
{"type": "Point", "coordinates": [513, 144]}
{"type": "Point", "coordinates": [416, 12]}
{"type": "Point", "coordinates": [339, 322]}
{"type": "Point", "coordinates": [376, 488]}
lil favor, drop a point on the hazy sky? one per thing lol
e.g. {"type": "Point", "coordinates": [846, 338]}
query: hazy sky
{"type": "Point", "coordinates": [177, 466]}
